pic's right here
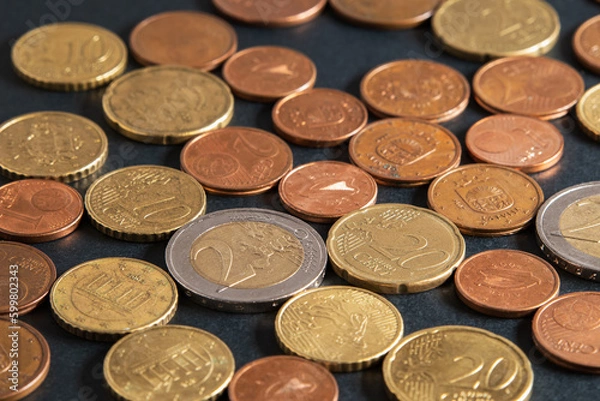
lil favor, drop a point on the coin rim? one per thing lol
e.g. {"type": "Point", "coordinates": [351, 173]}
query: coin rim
{"type": "Point", "coordinates": [288, 21]}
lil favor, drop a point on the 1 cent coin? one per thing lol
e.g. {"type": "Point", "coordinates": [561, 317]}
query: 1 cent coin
{"type": "Point", "coordinates": [187, 38]}
{"type": "Point", "coordinates": [26, 275]}
{"type": "Point", "coordinates": [283, 378]}
{"type": "Point", "coordinates": [405, 152]}
{"type": "Point", "coordinates": [415, 88]}
{"type": "Point", "coordinates": [324, 191]}
{"type": "Point", "coordinates": [567, 331]}
{"type": "Point", "coordinates": [585, 44]}
{"type": "Point", "coordinates": [271, 13]}
{"type": "Point", "coordinates": [506, 283]}
{"type": "Point", "coordinates": [237, 160]}
{"type": "Point", "coordinates": [38, 210]}
{"type": "Point", "coordinates": [319, 117]}
{"type": "Point", "coordinates": [533, 86]}
{"type": "Point", "coordinates": [386, 14]}
{"type": "Point", "coordinates": [524, 143]}
{"type": "Point", "coordinates": [268, 73]}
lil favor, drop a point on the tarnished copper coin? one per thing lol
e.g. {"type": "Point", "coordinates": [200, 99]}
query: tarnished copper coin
{"type": "Point", "coordinates": [319, 117]}
{"type": "Point", "coordinates": [38, 210]}
{"type": "Point", "coordinates": [283, 378]}
{"type": "Point", "coordinates": [26, 275]}
{"type": "Point", "coordinates": [524, 143]}
{"type": "Point", "coordinates": [271, 13]}
{"type": "Point", "coordinates": [506, 283]}
{"type": "Point", "coordinates": [237, 160]}
{"type": "Point", "coordinates": [532, 86]}
{"type": "Point", "coordinates": [187, 38]}
{"type": "Point", "coordinates": [586, 44]}
{"type": "Point", "coordinates": [324, 191]}
{"type": "Point", "coordinates": [415, 88]}
{"type": "Point", "coordinates": [567, 331]}
{"type": "Point", "coordinates": [268, 73]}
{"type": "Point", "coordinates": [32, 359]}
{"type": "Point", "coordinates": [486, 200]}
{"type": "Point", "coordinates": [405, 152]}
{"type": "Point", "coordinates": [386, 14]}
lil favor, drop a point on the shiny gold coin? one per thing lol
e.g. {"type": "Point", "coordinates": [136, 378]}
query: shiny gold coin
{"type": "Point", "coordinates": [457, 363]}
{"type": "Point", "coordinates": [343, 328]}
{"type": "Point", "coordinates": [51, 144]}
{"type": "Point", "coordinates": [104, 299]}
{"type": "Point", "coordinates": [144, 203]}
{"type": "Point", "coordinates": [395, 248]}
{"type": "Point", "coordinates": [496, 28]}
{"type": "Point", "coordinates": [169, 363]}
{"type": "Point", "coordinates": [588, 112]}
{"type": "Point", "coordinates": [486, 200]}
{"type": "Point", "coordinates": [69, 56]}
{"type": "Point", "coordinates": [167, 104]}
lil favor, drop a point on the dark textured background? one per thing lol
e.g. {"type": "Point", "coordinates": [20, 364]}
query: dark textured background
{"type": "Point", "coordinates": [342, 53]}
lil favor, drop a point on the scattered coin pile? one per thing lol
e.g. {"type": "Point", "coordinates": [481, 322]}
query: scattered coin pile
{"type": "Point", "coordinates": [250, 260]}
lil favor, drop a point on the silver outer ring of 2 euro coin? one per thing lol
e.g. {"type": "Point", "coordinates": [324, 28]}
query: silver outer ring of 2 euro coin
{"type": "Point", "coordinates": [245, 300]}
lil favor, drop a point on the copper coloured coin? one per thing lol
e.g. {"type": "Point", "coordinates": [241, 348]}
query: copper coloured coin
{"type": "Point", "coordinates": [268, 73]}
{"type": "Point", "coordinates": [32, 358]}
{"type": "Point", "coordinates": [416, 88]}
{"type": "Point", "coordinates": [506, 283]}
{"type": "Point", "coordinates": [531, 86]}
{"type": "Point", "coordinates": [186, 38]}
{"type": "Point", "coordinates": [567, 331]}
{"type": "Point", "coordinates": [237, 160]}
{"type": "Point", "coordinates": [319, 117]}
{"type": "Point", "coordinates": [524, 143]}
{"type": "Point", "coordinates": [283, 378]}
{"type": "Point", "coordinates": [405, 152]}
{"type": "Point", "coordinates": [38, 210]}
{"type": "Point", "coordinates": [386, 14]}
{"type": "Point", "coordinates": [27, 271]}
{"type": "Point", "coordinates": [324, 191]}
{"type": "Point", "coordinates": [271, 13]}
{"type": "Point", "coordinates": [586, 44]}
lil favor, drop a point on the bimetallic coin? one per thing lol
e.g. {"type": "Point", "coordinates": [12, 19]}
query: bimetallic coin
{"type": "Point", "coordinates": [532, 86]}
{"type": "Point", "coordinates": [268, 73]}
{"type": "Point", "coordinates": [457, 362]}
{"type": "Point", "coordinates": [506, 283]}
{"type": "Point", "coordinates": [567, 331]}
{"type": "Point", "coordinates": [69, 56]}
{"type": "Point", "coordinates": [585, 44]}
{"type": "Point", "coordinates": [167, 104]}
{"type": "Point", "coordinates": [415, 88]}
{"type": "Point", "coordinates": [524, 143]}
{"type": "Point", "coordinates": [567, 231]}
{"type": "Point", "coordinates": [395, 248]}
{"type": "Point", "coordinates": [32, 359]}
{"type": "Point", "coordinates": [51, 144]}
{"type": "Point", "coordinates": [246, 260]}
{"type": "Point", "coordinates": [496, 28]}
{"type": "Point", "coordinates": [324, 191]}
{"type": "Point", "coordinates": [386, 14]}
{"type": "Point", "coordinates": [26, 275]}
{"type": "Point", "coordinates": [237, 160]}
{"type": "Point", "coordinates": [144, 203]}
{"type": "Point", "coordinates": [405, 152]}
{"type": "Point", "coordinates": [486, 200]}
{"type": "Point", "coordinates": [283, 378]}
{"type": "Point", "coordinates": [271, 13]}
{"type": "Point", "coordinates": [38, 210]}
{"type": "Point", "coordinates": [588, 112]}
{"type": "Point", "coordinates": [319, 117]}
{"type": "Point", "coordinates": [104, 299]}
{"type": "Point", "coordinates": [343, 328]}
{"type": "Point", "coordinates": [188, 38]}
{"type": "Point", "coordinates": [204, 365]}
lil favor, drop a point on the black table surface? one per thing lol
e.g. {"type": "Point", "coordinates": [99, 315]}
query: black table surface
{"type": "Point", "coordinates": [343, 53]}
